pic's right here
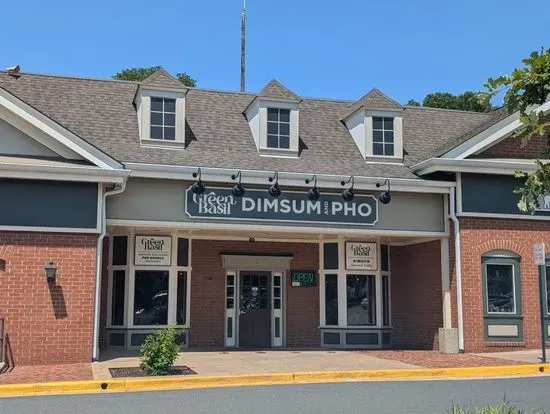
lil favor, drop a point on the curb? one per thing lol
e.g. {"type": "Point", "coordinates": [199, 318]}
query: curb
{"type": "Point", "coordinates": [213, 381]}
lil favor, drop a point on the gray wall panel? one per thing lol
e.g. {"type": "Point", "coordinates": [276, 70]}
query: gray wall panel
{"type": "Point", "coordinates": [14, 142]}
{"type": "Point", "coordinates": [48, 204]}
{"type": "Point", "coordinates": [163, 200]}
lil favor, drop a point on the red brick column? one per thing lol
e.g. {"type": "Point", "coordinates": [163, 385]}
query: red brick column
{"type": "Point", "coordinates": [416, 295]}
{"type": "Point", "coordinates": [48, 324]}
{"type": "Point", "coordinates": [479, 236]}
{"type": "Point", "coordinates": [208, 291]}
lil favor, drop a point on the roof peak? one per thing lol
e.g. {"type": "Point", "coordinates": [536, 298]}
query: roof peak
{"type": "Point", "coordinates": [276, 90]}
{"type": "Point", "coordinates": [161, 78]}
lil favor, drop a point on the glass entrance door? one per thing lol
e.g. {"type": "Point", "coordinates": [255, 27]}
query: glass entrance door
{"type": "Point", "coordinates": [255, 310]}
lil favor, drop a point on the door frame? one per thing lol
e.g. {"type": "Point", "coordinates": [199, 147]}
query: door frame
{"type": "Point", "coordinates": [231, 319]}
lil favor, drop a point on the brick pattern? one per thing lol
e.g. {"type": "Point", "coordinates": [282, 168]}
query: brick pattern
{"type": "Point", "coordinates": [48, 324]}
{"type": "Point", "coordinates": [479, 236]}
{"type": "Point", "coordinates": [208, 291]}
{"type": "Point", "coordinates": [47, 373]}
{"type": "Point", "coordinates": [511, 148]}
{"type": "Point", "coordinates": [416, 296]}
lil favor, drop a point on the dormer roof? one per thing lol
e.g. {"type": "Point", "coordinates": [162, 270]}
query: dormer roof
{"type": "Point", "coordinates": [275, 90]}
{"type": "Point", "coordinates": [162, 79]}
{"type": "Point", "coordinates": [374, 99]}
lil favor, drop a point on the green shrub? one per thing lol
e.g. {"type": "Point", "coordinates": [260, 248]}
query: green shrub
{"type": "Point", "coordinates": [503, 408]}
{"type": "Point", "coordinates": [159, 352]}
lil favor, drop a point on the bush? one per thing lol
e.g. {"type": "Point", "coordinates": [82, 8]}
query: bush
{"type": "Point", "coordinates": [159, 352]}
{"type": "Point", "coordinates": [503, 408]}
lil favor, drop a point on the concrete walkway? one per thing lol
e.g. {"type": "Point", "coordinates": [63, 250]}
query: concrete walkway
{"type": "Point", "coordinates": [531, 356]}
{"type": "Point", "coordinates": [252, 362]}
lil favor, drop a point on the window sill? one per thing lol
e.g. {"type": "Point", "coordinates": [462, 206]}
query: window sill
{"type": "Point", "coordinates": [281, 153]}
{"type": "Point", "coordinates": [383, 159]}
{"type": "Point", "coordinates": [161, 143]}
{"type": "Point", "coordinates": [507, 344]}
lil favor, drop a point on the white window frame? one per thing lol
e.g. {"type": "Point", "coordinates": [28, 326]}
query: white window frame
{"type": "Point", "coordinates": [383, 131]}
{"type": "Point", "coordinates": [278, 122]}
{"type": "Point", "coordinates": [164, 112]}
{"type": "Point", "coordinates": [397, 134]}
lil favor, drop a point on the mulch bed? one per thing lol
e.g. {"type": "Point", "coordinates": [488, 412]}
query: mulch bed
{"type": "Point", "coordinates": [136, 372]}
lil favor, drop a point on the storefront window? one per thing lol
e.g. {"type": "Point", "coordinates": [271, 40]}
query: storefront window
{"type": "Point", "coordinates": [500, 288]}
{"type": "Point", "coordinates": [361, 300]}
{"type": "Point", "coordinates": [120, 250]}
{"type": "Point", "coordinates": [151, 297]}
{"type": "Point", "coordinates": [182, 298]}
{"type": "Point", "coordinates": [386, 300]}
{"type": "Point", "coordinates": [117, 298]}
{"type": "Point", "coordinates": [548, 290]}
{"type": "Point", "coordinates": [331, 299]}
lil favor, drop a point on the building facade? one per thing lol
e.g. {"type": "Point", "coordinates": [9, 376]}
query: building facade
{"type": "Point", "coordinates": [257, 221]}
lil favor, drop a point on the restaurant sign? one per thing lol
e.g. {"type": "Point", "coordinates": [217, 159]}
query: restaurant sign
{"type": "Point", "coordinates": [153, 250]}
{"type": "Point", "coordinates": [361, 256]}
{"type": "Point", "coordinates": [290, 206]}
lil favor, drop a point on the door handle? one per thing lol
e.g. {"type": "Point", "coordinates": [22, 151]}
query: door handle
{"type": "Point", "coordinates": [242, 312]}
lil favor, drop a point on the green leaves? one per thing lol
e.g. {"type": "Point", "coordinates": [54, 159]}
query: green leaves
{"type": "Point", "coordinates": [159, 352]}
{"type": "Point", "coordinates": [139, 74]}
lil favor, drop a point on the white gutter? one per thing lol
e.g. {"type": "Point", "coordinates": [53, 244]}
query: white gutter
{"type": "Point", "coordinates": [99, 265]}
{"type": "Point", "coordinates": [458, 270]}
{"type": "Point", "coordinates": [487, 166]}
{"type": "Point", "coordinates": [223, 175]}
{"type": "Point", "coordinates": [61, 172]}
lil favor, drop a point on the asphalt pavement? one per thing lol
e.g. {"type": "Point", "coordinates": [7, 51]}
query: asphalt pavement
{"type": "Point", "coordinates": [435, 396]}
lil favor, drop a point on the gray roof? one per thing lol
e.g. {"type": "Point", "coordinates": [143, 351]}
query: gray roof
{"type": "Point", "coordinates": [162, 79]}
{"type": "Point", "coordinates": [102, 113]}
{"type": "Point", "coordinates": [374, 99]}
{"type": "Point", "coordinates": [274, 89]}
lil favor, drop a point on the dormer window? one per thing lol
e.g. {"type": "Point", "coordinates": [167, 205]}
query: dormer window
{"type": "Point", "coordinates": [278, 128]}
{"type": "Point", "coordinates": [382, 136]}
{"type": "Point", "coordinates": [163, 119]}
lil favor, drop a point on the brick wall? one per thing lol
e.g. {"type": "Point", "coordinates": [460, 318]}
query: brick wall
{"type": "Point", "coordinates": [416, 295]}
{"type": "Point", "coordinates": [208, 291]}
{"type": "Point", "coordinates": [482, 235]}
{"type": "Point", "coordinates": [48, 324]}
{"type": "Point", "coordinates": [511, 148]}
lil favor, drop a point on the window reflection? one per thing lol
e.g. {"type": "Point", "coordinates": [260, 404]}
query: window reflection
{"type": "Point", "coordinates": [151, 297]}
{"type": "Point", "coordinates": [361, 298]}
{"type": "Point", "coordinates": [500, 288]}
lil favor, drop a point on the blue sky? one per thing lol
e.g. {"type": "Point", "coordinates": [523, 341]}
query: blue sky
{"type": "Point", "coordinates": [322, 48]}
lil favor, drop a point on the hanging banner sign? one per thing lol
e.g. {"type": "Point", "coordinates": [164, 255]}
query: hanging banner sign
{"type": "Point", "coordinates": [361, 256]}
{"type": "Point", "coordinates": [153, 250]}
{"type": "Point", "coordinates": [290, 206]}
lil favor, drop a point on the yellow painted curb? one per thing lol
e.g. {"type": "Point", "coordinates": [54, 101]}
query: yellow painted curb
{"type": "Point", "coordinates": [207, 381]}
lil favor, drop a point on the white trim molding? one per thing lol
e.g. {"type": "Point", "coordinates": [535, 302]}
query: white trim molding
{"type": "Point", "coordinates": [478, 165]}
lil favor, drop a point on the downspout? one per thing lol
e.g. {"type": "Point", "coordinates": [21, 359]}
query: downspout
{"type": "Point", "coordinates": [119, 188]}
{"type": "Point", "coordinates": [458, 269]}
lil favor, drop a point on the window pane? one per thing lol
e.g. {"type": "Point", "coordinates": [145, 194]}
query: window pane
{"type": "Point", "coordinates": [169, 133]}
{"type": "Point", "coordinates": [331, 300]}
{"type": "Point", "coordinates": [330, 256]}
{"type": "Point", "coordinates": [156, 118]}
{"type": "Point", "coordinates": [151, 297]}
{"type": "Point", "coordinates": [183, 252]}
{"type": "Point", "coordinates": [284, 129]}
{"type": "Point", "coordinates": [272, 141]}
{"type": "Point", "coordinates": [156, 132]}
{"type": "Point", "coordinates": [156, 104]}
{"type": "Point", "coordinates": [284, 142]}
{"type": "Point", "coordinates": [500, 288]}
{"type": "Point", "coordinates": [548, 290]}
{"type": "Point", "coordinates": [284, 115]}
{"type": "Point", "coordinates": [377, 136]}
{"type": "Point", "coordinates": [272, 114]}
{"type": "Point", "coordinates": [378, 149]}
{"type": "Point", "coordinates": [272, 128]}
{"type": "Point", "coordinates": [376, 122]}
{"type": "Point", "coordinates": [117, 307]}
{"type": "Point", "coordinates": [388, 149]}
{"type": "Point", "coordinates": [385, 301]}
{"type": "Point", "coordinates": [182, 298]}
{"type": "Point", "coordinates": [361, 300]}
{"type": "Point", "coordinates": [385, 259]}
{"type": "Point", "coordinates": [388, 123]}
{"type": "Point", "coordinates": [169, 105]}
{"type": "Point", "coordinates": [388, 136]}
{"type": "Point", "coordinates": [120, 250]}
{"type": "Point", "coordinates": [169, 119]}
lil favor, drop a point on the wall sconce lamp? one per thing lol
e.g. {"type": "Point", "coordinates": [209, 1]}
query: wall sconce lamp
{"type": "Point", "coordinates": [313, 193]}
{"type": "Point", "coordinates": [348, 193]}
{"type": "Point", "coordinates": [238, 189]}
{"type": "Point", "coordinates": [51, 269]}
{"type": "Point", "coordinates": [385, 196]}
{"type": "Point", "coordinates": [198, 187]}
{"type": "Point", "coordinates": [274, 190]}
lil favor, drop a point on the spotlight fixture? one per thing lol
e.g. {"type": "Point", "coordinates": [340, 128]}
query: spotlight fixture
{"type": "Point", "coordinates": [313, 193]}
{"type": "Point", "coordinates": [348, 193]}
{"type": "Point", "coordinates": [385, 196]}
{"type": "Point", "coordinates": [274, 189]}
{"type": "Point", "coordinates": [198, 187]}
{"type": "Point", "coordinates": [238, 189]}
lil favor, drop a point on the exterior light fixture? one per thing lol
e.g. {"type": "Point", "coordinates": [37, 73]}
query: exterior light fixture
{"type": "Point", "coordinates": [51, 269]}
{"type": "Point", "coordinates": [348, 193]}
{"type": "Point", "coordinates": [198, 187]}
{"type": "Point", "coordinates": [238, 189]}
{"type": "Point", "coordinates": [313, 193]}
{"type": "Point", "coordinates": [274, 190]}
{"type": "Point", "coordinates": [385, 196]}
